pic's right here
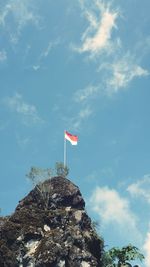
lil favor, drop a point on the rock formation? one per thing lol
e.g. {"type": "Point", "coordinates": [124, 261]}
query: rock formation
{"type": "Point", "coordinates": [50, 228]}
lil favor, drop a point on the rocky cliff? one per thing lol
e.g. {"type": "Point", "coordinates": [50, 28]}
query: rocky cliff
{"type": "Point", "coordinates": [50, 228]}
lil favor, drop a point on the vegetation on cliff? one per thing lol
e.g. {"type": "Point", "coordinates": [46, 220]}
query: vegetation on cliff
{"type": "Point", "coordinates": [121, 257]}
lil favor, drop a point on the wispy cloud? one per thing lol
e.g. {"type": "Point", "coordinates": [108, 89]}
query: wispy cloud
{"type": "Point", "coordinates": [102, 20]}
{"type": "Point", "coordinates": [122, 72]}
{"type": "Point", "coordinates": [141, 188]}
{"type": "Point", "coordinates": [82, 102]}
{"type": "Point", "coordinates": [45, 53]}
{"type": "Point", "coordinates": [120, 67]}
{"type": "Point", "coordinates": [48, 49]}
{"type": "Point", "coordinates": [22, 13]}
{"type": "Point", "coordinates": [77, 121]}
{"type": "Point", "coordinates": [114, 209]}
{"type": "Point", "coordinates": [146, 248]}
{"type": "Point", "coordinates": [3, 55]}
{"type": "Point", "coordinates": [29, 114]}
{"type": "Point", "coordinates": [85, 94]}
{"type": "Point", "coordinates": [36, 67]}
{"type": "Point", "coordinates": [82, 99]}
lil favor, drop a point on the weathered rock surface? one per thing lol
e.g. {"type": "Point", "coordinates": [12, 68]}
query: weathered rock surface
{"type": "Point", "coordinates": [50, 228]}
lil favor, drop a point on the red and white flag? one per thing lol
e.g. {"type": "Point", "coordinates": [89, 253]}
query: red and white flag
{"type": "Point", "coordinates": [72, 138]}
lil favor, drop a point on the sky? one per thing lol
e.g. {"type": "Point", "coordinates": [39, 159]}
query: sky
{"type": "Point", "coordinates": [82, 66]}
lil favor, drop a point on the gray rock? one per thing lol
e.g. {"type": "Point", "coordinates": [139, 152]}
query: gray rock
{"type": "Point", "coordinates": [50, 228]}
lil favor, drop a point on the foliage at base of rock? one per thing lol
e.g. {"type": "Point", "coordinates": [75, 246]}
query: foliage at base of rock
{"type": "Point", "coordinates": [121, 257]}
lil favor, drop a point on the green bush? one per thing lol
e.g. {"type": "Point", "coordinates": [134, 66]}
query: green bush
{"type": "Point", "coordinates": [117, 257]}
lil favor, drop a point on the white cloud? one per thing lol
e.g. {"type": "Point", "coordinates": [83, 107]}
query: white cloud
{"type": "Point", "coordinates": [146, 248]}
{"type": "Point", "coordinates": [3, 56]}
{"type": "Point", "coordinates": [76, 122]}
{"type": "Point", "coordinates": [45, 53]}
{"type": "Point", "coordinates": [122, 72]}
{"type": "Point", "coordinates": [122, 67]}
{"type": "Point", "coordinates": [51, 45]}
{"type": "Point", "coordinates": [97, 37]}
{"type": "Point", "coordinates": [81, 101]}
{"type": "Point", "coordinates": [83, 97]}
{"type": "Point", "coordinates": [3, 14]}
{"type": "Point", "coordinates": [80, 118]}
{"type": "Point", "coordinates": [22, 12]}
{"type": "Point", "coordinates": [114, 209]}
{"type": "Point", "coordinates": [86, 93]}
{"type": "Point", "coordinates": [36, 67]}
{"type": "Point", "coordinates": [27, 112]}
{"type": "Point", "coordinates": [84, 113]}
{"type": "Point", "coordinates": [141, 188]}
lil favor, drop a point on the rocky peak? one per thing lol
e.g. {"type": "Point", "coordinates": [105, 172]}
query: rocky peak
{"type": "Point", "coordinates": [54, 193]}
{"type": "Point", "coordinates": [50, 227]}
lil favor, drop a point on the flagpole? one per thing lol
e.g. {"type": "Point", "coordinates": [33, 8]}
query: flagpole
{"type": "Point", "coordinates": [65, 150]}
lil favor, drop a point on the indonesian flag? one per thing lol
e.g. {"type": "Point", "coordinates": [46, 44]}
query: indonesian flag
{"type": "Point", "coordinates": [72, 138]}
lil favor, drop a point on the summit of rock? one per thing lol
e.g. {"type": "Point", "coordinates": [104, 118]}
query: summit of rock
{"type": "Point", "coordinates": [50, 228]}
{"type": "Point", "coordinates": [60, 192]}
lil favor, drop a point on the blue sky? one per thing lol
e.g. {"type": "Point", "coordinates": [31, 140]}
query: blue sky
{"type": "Point", "coordinates": [81, 66]}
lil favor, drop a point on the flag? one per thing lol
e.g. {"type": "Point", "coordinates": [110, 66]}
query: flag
{"type": "Point", "coordinates": [72, 138]}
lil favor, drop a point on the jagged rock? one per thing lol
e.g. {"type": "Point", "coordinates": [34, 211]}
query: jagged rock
{"type": "Point", "coordinates": [50, 228]}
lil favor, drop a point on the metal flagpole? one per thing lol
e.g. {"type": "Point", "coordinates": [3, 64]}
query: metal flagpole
{"type": "Point", "coordinates": [65, 150]}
